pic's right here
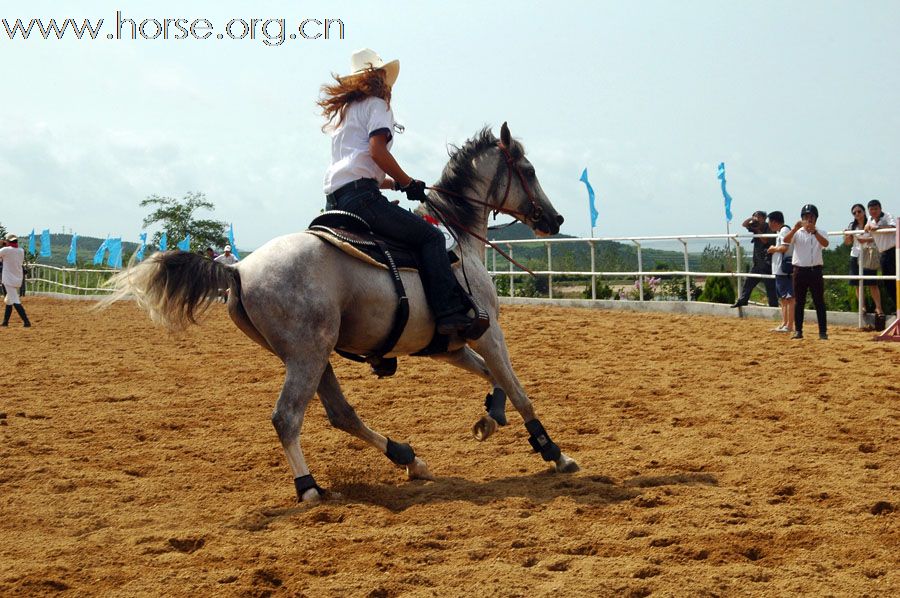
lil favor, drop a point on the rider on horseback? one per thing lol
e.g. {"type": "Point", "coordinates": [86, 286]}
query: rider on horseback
{"type": "Point", "coordinates": [361, 123]}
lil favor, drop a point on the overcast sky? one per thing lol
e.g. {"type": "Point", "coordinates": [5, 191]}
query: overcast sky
{"type": "Point", "coordinates": [801, 100]}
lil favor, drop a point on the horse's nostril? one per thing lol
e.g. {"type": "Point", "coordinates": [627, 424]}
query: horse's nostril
{"type": "Point", "coordinates": [560, 219]}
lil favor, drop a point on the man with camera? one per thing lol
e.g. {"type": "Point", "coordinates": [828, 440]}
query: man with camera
{"type": "Point", "coordinates": [762, 261]}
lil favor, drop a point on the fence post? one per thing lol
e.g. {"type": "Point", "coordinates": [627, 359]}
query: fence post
{"type": "Point", "coordinates": [687, 268]}
{"type": "Point", "coordinates": [511, 277]}
{"type": "Point", "coordinates": [861, 292]}
{"type": "Point", "coordinates": [738, 255]}
{"type": "Point", "coordinates": [550, 269]}
{"type": "Point", "coordinates": [640, 271]}
{"type": "Point", "coordinates": [593, 272]}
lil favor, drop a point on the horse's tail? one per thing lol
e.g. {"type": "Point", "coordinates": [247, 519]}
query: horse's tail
{"type": "Point", "coordinates": [174, 286]}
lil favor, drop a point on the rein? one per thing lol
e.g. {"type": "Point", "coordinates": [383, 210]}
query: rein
{"type": "Point", "coordinates": [534, 214]}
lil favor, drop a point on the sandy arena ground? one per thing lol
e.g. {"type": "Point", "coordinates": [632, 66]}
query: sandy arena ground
{"type": "Point", "coordinates": [718, 459]}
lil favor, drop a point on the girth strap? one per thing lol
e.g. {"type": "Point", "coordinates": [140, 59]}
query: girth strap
{"type": "Point", "coordinates": [401, 317]}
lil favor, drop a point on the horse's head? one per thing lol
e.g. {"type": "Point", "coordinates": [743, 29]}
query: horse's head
{"type": "Point", "coordinates": [521, 195]}
{"type": "Point", "coordinates": [488, 174]}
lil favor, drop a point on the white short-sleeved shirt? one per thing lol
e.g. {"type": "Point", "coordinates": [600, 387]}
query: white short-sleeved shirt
{"type": "Point", "coordinates": [228, 260]}
{"type": "Point", "coordinates": [778, 257]}
{"type": "Point", "coordinates": [807, 249]}
{"type": "Point", "coordinates": [350, 157]}
{"type": "Point", "coordinates": [13, 258]}
{"type": "Point", "coordinates": [884, 241]}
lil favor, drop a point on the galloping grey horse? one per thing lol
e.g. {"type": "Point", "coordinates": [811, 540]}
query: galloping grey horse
{"type": "Point", "coordinates": [301, 298]}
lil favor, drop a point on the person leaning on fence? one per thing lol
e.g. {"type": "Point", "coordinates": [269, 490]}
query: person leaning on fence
{"type": "Point", "coordinates": [13, 259]}
{"type": "Point", "coordinates": [808, 243]}
{"type": "Point", "coordinates": [782, 255]}
{"type": "Point", "coordinates": [863, 244]}
{"type": "Point", "coordinates": [227, 258]}
{"type": "Point", "coordinates": [762, 261]}
{"type": "Point", "coordinates": [886, 244]}
{"type": "Point", "coordinates": [2, 288]}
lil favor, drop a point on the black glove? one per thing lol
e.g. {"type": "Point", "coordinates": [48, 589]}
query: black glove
{"type": "Point", "coordinates": [415, 191]}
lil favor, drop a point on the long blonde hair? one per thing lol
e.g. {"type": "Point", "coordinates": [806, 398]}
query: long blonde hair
{"type": "Point", "coordinates": [346, 90]}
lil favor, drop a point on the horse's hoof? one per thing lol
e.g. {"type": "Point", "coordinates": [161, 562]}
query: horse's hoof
{"type": "Point", "coordinates": [566, 465]}
{"type": "Point", "coordinates": [311, 496]}
{"type": "Point", "coordinates": [418, 470]}
{"type": "Point", "coordinates": [484, 427]}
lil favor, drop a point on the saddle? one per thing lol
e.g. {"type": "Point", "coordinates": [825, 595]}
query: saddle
{"type": "Point", "coordinates": [352, 235]}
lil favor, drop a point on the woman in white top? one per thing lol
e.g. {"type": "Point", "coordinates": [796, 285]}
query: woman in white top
{"type": "Point", "coordinates": [357, 108]}
{"type": "Point", "coordinates": [13, 258]}
{"type": "Point", "coordinates": [858, 241]}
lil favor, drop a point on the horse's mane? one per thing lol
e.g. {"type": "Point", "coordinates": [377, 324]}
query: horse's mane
{"type": "Point", "coordinates": [459, 178]}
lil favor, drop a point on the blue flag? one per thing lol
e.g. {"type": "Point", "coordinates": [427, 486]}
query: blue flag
{"type": "Point", "coordinates": [185, 244]}
{"type": "Point", "coordinates": [98, 257]}
{"type": "Point", "coordinates": [139, 254]}
{"type": "Point", "coordinates": [45, 243]}
{"type": "Point", "coordinates": [31, 248]}
{"type": "Point", "coordinates": [163, 242]}
{"type": "Point", "coordinates": [590, 190]}
{"type": "Point", "coordinates": [71, 258]}
{"type": "Point", "coordinates": [115, 253]}
{"type": "Point", "coordinates": [231, 242]}
{"type": "Point", "coordinates": [721, 177]}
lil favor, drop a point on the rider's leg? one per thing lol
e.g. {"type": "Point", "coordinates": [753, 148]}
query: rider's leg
{"type": "Point", "coordinates": [400, 225]}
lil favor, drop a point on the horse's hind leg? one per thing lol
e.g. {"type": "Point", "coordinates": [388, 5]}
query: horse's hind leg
{"type": "Point", "coordinates": [495, 403]}
{"type": "Point", "coordinates": [492, 347]}
{"type": "Point", "coordinates": [343, 417]}
{"type": "Point", "coordinates": [299, 387]}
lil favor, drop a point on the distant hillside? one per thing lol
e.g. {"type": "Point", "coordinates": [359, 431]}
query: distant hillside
{"type": "Point", "coordinates": [610, 255]}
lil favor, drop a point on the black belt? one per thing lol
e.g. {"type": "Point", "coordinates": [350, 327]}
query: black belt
{"type": "Point", "coordinates": [807, 267]}
{"type": "Point", "coordinates": [356, 185]}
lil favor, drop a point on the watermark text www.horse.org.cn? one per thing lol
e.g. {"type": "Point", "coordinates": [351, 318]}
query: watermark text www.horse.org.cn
{"type": "Point", "coordinates": [270, 31]}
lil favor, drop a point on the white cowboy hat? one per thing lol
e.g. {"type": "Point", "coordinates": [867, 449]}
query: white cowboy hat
{"type": "Point", "coordinates": [228, 248]}
{"type": "Point", "coordinates": [11, 238]}
{"type": "Point", "coordinates": [366, 58]}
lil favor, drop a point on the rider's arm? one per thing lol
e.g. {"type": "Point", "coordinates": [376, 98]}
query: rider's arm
{"type": "Point", "coordinates": [381, 155]}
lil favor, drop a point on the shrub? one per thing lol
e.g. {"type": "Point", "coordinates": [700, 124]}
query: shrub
{"type": "Point", "coordinates": [717, 289]}
{"type": "Point", "coordinates": [604, 291]}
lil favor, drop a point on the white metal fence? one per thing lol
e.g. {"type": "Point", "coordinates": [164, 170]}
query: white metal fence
{"type": "Point", "coordinates": [44, 278]}
{"type": "Point", "coordinates": [641, 273]}
{"type": "Point", "coordinates": [77, 281]}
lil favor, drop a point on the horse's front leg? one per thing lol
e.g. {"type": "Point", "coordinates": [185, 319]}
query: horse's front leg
{"type": "Point", "coordinates": [343, 417]}
{"type": "Point", "coordinates": [495, 403]}
{"type": "Point", "coordinates": [492, 348]}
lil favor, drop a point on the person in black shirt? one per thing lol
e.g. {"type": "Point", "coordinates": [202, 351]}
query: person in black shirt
{"type": "Point", "coordinates": [762, 261]}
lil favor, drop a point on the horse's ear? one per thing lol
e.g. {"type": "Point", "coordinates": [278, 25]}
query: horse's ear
{"type": "Point", "coordinates": [504, 135]}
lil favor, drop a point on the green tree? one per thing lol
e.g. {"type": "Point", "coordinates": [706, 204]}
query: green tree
{"type": "Point", "coordinates": [177, 220]}
{"type": "Point", "coordinates": [2, 230]}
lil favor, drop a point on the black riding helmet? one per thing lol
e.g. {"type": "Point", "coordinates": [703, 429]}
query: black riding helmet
{"type": "Point", "coordinates": [809, 209]}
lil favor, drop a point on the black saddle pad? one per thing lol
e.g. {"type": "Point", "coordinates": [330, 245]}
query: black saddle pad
{"type": "Point", "coordinates": [352, 229]}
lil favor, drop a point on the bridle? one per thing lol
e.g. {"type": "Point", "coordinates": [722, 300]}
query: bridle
{"type": "Point", "coordinates": [534, 214]}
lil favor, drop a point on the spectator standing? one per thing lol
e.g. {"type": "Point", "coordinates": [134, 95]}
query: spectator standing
{"type": "Point", "coordinates": [780, 253]}
{"type": "Point", "coordinates": [807, 268]}
{"type": "Point", "coordinates": [227, 258]}
{"type": "Point", "coordinates": [13, 259]}
{"type": "Point", "coordinates": [859, 242]}
{"type": "Point", "coordinates": [885, 243]}
{"type": "Point", "coordinates": [211, 254]}
{"type": "Point", "coordinates": [762, 261]}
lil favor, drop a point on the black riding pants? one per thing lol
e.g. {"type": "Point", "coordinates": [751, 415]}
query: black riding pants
{"type": "Point", "coordinates": [751, 282]}
{"type": "Point", "coordinates": [809, 279]}
{"type": "Point", "coordinates": [889, 268]}
{"type": "Point", "coordinates": [400, 225]}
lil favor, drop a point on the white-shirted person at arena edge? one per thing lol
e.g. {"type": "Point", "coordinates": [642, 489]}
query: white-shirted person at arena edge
{"type": "Point", "coordinates": [13, 258]}
{"type": "Point", "coordinates": [227, 258]}
{"type": "Point", "coordinates": [885, 242]}
{"type": "Point", "coordinates": [808, 243]}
